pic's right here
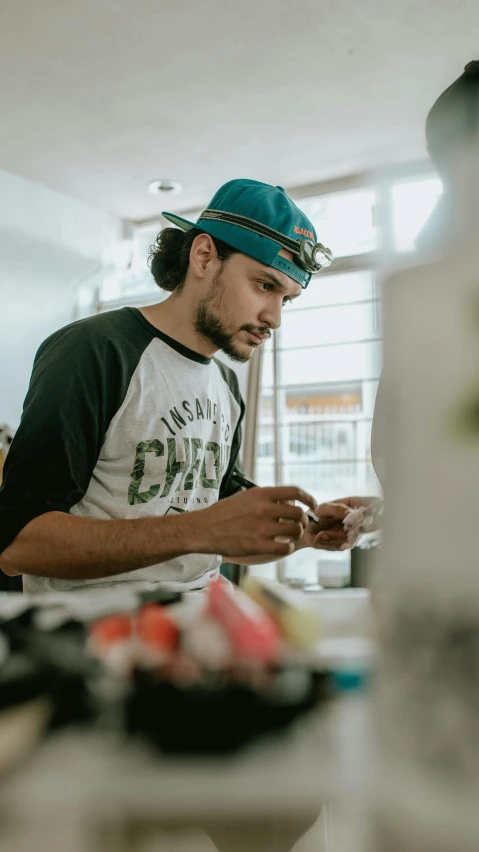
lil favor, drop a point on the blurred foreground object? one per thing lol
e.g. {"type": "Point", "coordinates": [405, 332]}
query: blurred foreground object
{"type": "Point", "coordinates": [202, 674]}
{"type": "Point", "coordinates": [301, 625]}
{"type": "Point", "coordinates": [224, 672]}
{"type": "Point", "coordinates": [426, 798]}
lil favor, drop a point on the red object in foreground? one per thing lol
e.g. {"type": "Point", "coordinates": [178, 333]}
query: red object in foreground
{"type": "Point", "coordinates": [113, 628]}
{"type": "Point", "coordinates": [155, 626]}
{"type": "Point", "coordinates": [252, 632]}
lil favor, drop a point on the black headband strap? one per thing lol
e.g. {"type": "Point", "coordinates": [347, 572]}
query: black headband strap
{"type": "Point", "coordinates": [252, 225]}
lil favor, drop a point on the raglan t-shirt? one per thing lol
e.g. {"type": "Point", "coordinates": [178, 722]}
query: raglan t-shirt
{"type": "Point", "coordinates": [121, 421]}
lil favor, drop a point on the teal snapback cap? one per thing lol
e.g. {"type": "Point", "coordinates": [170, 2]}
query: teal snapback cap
{"type": "Point", "coordinates": [259, 220]}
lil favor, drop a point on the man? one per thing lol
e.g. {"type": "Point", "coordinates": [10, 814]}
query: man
{"type": "Point", "coordinates": [131, 429]}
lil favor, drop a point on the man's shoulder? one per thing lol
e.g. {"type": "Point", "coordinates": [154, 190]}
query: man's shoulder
{"type": "Point", "coordinates": [106, 323]}
{"type": "Point", "coordinates": [99, 331]}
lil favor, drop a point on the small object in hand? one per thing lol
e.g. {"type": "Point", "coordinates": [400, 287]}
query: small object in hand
{"type": "Point", "coordinates": [356, 522]}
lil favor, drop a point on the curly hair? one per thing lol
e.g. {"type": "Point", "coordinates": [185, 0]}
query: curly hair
{"type": "Point", "coordinates": [169, 257]}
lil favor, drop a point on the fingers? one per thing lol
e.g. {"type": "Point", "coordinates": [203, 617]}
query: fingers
{"type": "Point", "coordinates": [283, 493]}
{"type": "Point", "coordinates": [290, 513]}
{"type": "Point", "coordinates": [287, 530]}
{"type": "Point", "coordinates": [330, 514]}
{"type": "Point", "coordinates": [331, 540]}
{"type": "Point", "coordinates": [373, 505]}
{"type": "Point", "coordinates": [355, 502]}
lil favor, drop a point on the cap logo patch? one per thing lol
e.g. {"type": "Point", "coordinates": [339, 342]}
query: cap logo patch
{"type": "Point", "coordinates": [303, 232]}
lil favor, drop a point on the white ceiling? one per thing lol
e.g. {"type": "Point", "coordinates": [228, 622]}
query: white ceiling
{"type": "Point", "coordinates": [99, 97]}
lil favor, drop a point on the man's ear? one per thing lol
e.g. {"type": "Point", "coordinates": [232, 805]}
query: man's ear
{"type": "Point", "coordinates": [202, 253]}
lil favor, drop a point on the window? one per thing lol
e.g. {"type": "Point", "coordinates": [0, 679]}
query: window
{"type": "Point", "coordinates": [344, 220]}
{"type": "Point", "coordinates": [129, 280]}
{"type": "Point", "coordinates": [413, 201]}
{"type": "Point", "coordinates": [328, 353]}
{"type": "Point", "coordinates": [133, 283]}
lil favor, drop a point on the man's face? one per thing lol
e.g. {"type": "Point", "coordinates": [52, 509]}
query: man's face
{"type": "Point", "coordinates": [243, 304]}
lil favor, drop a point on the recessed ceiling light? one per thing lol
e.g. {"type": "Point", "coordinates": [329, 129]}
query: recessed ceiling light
{"type": "Point", "coordinates": [164, 185]}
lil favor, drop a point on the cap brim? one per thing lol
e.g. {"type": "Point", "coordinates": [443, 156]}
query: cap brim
{"type": "Point", "coordinates": [179, 221]}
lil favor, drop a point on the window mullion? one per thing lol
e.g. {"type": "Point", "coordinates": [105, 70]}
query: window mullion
{"type": "Point", "coordinates": [279, 395]}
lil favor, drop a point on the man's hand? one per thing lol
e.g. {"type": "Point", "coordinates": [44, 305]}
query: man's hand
{"type": "Point", "coordinates": [329, 533]}
{"type": "Point", "coordinates": [259, 522]}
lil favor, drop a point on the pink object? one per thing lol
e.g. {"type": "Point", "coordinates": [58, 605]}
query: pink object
{"type": "Point", "coordinates": [252, 632]}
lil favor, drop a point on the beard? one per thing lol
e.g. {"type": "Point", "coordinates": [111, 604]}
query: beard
{"type": "Point", "coordinates": [209, 325]}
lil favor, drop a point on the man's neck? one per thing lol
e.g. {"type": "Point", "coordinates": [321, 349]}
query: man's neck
{"type": "Point", "coordinates": [174, 317]}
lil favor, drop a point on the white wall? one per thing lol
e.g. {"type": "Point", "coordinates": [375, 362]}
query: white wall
{"type": "Point", "coordinates": [48, 244]}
